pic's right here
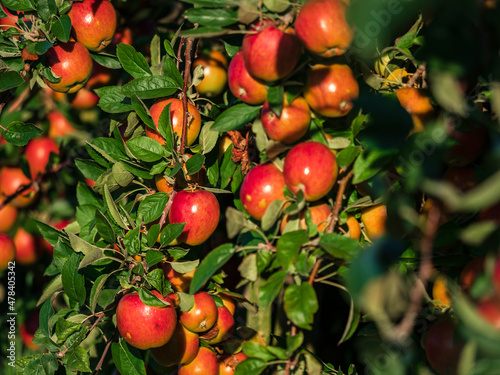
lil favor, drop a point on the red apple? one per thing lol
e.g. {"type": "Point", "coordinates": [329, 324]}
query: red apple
{"type": "Point", "coordinates": [262, 185]}
{"type": "Point", "coordinates": [8, 252]}
{"type": "Point", "coordinates": [38, 152]}
{"type": "Point", "coordinates": [72, 62]}
{"type": "Point", "coordinates": [441, 348]}
{"type": "Point", "coordinates": [123, 35]}
{"type": "Point", "coordinates": [59, 126]}
{"type": "Point", "coordinates": [471, 142]}
{"type": "Point", "coordinates": [12, 179]}
{"type": "Point", "coordinates": [223, 328]}
{"type": "Point", "coordinates": [93, 23]}
{"type": "Point", "coordinates": [181, 349]}
{"type": "Point", "coordinates": [291, 125]}
{"type": "Point", "coordinates": [8, 217]}
{"type": "Point", "coordinates": [215, 73]}
{"type": "Point", "coordinates": [470, 273]}
{"type": "Point", "coordinates": [241, 83]}
{"type": "Point", "coordinates": [101, 76]}
{"type": "Point", "coordinates": [84, 99]}
{"type": "Point", "coordinates": [330, 89]}
{"type": "Point", "coordinates": [270, 53]}
{"type": "Point", "coordinates": [310, 167]}
{"type": "Point", "coordinates": [322, 27]}
{"type": "Point", "coordinates": [28, 329]}
{"type": "Point", "coordinates": [9, 21]}
{"type": "Point", "coordinates": [204, 363]}
{"type": "Point", "coordinates": [145, 326]}
{"type": "Point", "coordinates": [228, 301]}
{"type": "Point", "coordinates": [228, 363]}
{"type": "Point", "coordinates": [489, 310]}
{"type": "Point", "coordinates": [176, 118]}
{"type": "Point", "coordinates": [202, 315]}
{"type": "Point", "coordinates": [200, 211]}
{"type": "Point", "coordinates": [26, 247]}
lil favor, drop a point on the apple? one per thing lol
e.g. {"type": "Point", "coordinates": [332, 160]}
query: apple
{"type": "Point", "coordinates": [72, 62]}
{"type": "Point", "coordinates": [228, 301]}
{"type": "Point", "coordinates": [322, 27]}
{"type": "Point", "coordinates": [198, 178]}
{"type": "Point", "coordinates": [242, 84]}
{"type": "Point", "coordinates": [204, 363]}
{"type": "Point", "coordinates": [311, 167]}
{"type": "Point", "coordinates": [269, 52]}
{"type": "Point", "coordinates": [9, 21]}
{"type": "Point", "coordinates": [471, 142]}
{"type": "Point", "coordinates": [26, 247]}
{"type": "Point", "coordinates": [84, 99]}
{"type": "Point", "coordinates": [176, 114]}
{"type": "Point", "coordinates": [496, 275]}
{"type": "Point", "coordinates": [319, 216]}
{"type": "Point", "coordinates": [470, 273]}
{"type": "Point", "coordinates": [215, 73]}
{"type": "Point", "coordinates": [180, 281]}
{"type": "Point", "coordinates": [440, 291]}
{"type": "Point", "coordinates": [224, 143]}
{"type": "Point", "coordinates": [228, 363]}
{"type": "Point", "coordinates": [93, 23]}
{"type": "Point", "coordinates": [374, 219]}
{"type": "Point", "coordinates": [200, 211]}
{"type": "Point", "coordinates": [262, 185]}
{"type": "Point", "coordinates": [12, 179]}
{"type": "Point", "coordinates": [354, 228]}
{"type": "Point", "coordinates": [8, 217]}
{"type": "Point", "coordinates": [101, 76]}
{"type": "Point", "coordinates": [59, 126]}
{"type": "Point", "coordinates": [37, 154]}
{"type": "Point", "coordinates": [489, 310]}
{"type": "Point", "coordinates": [27, 330]}
{"type": "Point", "coordinates": [202, 316]}
{"type": "Point", "coordinates": [123, 35]}
{"type": "Point", "coordinates": [441, 348]}
{"type": "Point", "coordinates": [291, 125]}
{"type": "Point", "coordinates": [181, 349]}
{"type": "Point", "coordinates": [330, 89]}
{"type": "Point", "coordinates": [145, 326]}
{"type": "Point", "coordinates": [223, 328]}
{"type": "Point", "coordinates": [418, 104]}
{"type": "Point", "coordinates": [8, 252]}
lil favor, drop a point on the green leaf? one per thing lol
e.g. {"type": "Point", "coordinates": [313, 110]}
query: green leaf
{"type": "Point", "coordinates": [127, 359]}
{"type": "Point", "coordinates": [46, 8]}
{"type": "Point", "coordinates": [74, 281]}
{"type": "Point", "coordinates": [61, 27]}
{"type": "Point", "coordinates": [152, 207]}
{"type": "Point", "coordinates": [270, 290]}
{"type": "Point", "coordinates": [275, 99]}
{"type": "Point", "coordinates": [132, 61]}
{"type": "Point", "coordinates": [54, 286]}
{"type": "Point", "coordinates": [19, 133]}
{"type": "Point", "coordinates": [288, 247]}
{"type": "Point", "coordinates": [369, 163]}
{"type": "Point", "coordinates": [10, 79]}
{"type": "Point", "coordinates": [132, 242]}
{"type": "Point", "coordinates": [154, 257]}
{"type": "Point", "coordinates": [170, 233]}
{"type": "Point", "coordinates": [170, 69]}
{"type": "Point", "coordinates": [146, 149]}
{"type": "Point", "coordinates": [19, 5]}
{"type": "Point", "coordinates": [150, 299]}
{"type": "Point", "coordinates": [49, 233]}
{"type": "Point", "coordinates": [113, 209]}
{"type": "Point", "coordinates": [255, 350]}
{"type": "Point", "coordinates": [300, 304]}
{"type": "Point", "coordinates": [77, 360]}
{"type": "Point", "coordinates": [96, 290]}
{"type": "Point", "coordinates": [347, 156]}
{"type": "Point", "coordinates": [236, 117]}
{"type": "Point", "coordinates": [210, 264]}
{"type": "Point", "coordinates": [142, 112]}
{"type": "Point", "coordinates": [165, 128]}
{"type": "Point", "coordinates": [208, 138]}
{"type": "Point", "coordinates": [195, 163]}
{"type": "Point", "coordinates": [104, 228]}
{"type": "Point", "coordinates": [150, 87]}
{"type": "Point", "coordinates": [339, 246]}
{"type": "Point", "coordinates": [107, 61]}
{"type": "Point", "coordinates": [153, 234]}
{"type": "Point", "coordinates": [112, 100]}
{"type": "Point", "coordinates": [250, 366]}
{"type": "Point", "coordinates": [212, 17]}
{"type": "Point", "coordinates": [273, 212]}
{"type": "Point", "coordinates": [185, 267]}
{"type": "Point", "coordinates": [186, 301]}
{"type": "Point", "coordinates": [89, 168]}
{"type": "Point", "coordinates": [227, 168]}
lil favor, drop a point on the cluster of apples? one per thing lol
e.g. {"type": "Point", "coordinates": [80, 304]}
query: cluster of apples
{"type": "Point", "coordinates": [93, 25]}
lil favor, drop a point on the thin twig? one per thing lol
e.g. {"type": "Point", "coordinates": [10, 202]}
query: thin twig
{"type": "Point", "coordinates": [291, 362]}
{"type": "Point", "coordinates": [404, 328]}
{"type": "Point", "coordinates": [187, 79]}
{"type": "Point", "coordinates": [338, 202]}
{"type": "Point", "coordinates": [414, 77]}
{"type": "Point", "coordinates": [164, 215]}
{"type": "Point", "coordinates": [314, 271]}
{"type": "Point", "coordinates": [106, 348]}
{"type": "Point", "coordinates": [16, 103]}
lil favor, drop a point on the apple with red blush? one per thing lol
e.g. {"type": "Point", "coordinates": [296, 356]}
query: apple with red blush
{"type": "Point", "coordinates": [181, 349]}
{"type": "Point", "coordinates": [37, 154]}
{"type": "Point", "coordinates": [203, 314]}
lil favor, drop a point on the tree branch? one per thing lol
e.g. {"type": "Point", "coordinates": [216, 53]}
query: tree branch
{"type": "Point", "coordinates": [187, 79]}
{"type": "Point", "coordinates": [338, 202]}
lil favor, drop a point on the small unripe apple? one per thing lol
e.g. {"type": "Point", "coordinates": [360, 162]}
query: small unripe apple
{"type": "Point", "coordinates": [330, 89]}
{"type": "Point", "coordinates": [11, 180]}
{"type": "Point", "coordinates": [8, 252]}
{"type": "Point", "coordinates": [204, 363]}
{"type": "Point", "coordinates": [374, 219]}
{"type": "Point", "coordinates": [26, 247]}
{"type": "Point", "coordinates": [262, 185]}
{"type": "Point", "coordinates": [37, 154]}
{"type": "Point", "coordinates": [322, 27]}
{"type": "Point", "coordinates": [319, 216]}
{"type": "Point", "coordinates": [199, 210]}
{"type": "Point", "coordinates": [291, 125]}
{"type": "Point", "coordinates": [59, 126]}
{"type": "Point", "coordinates": [181, 349]}
{"type": "Point", "coordinates": [202, 316]}
{"type": "Point", "coordinates": [241, 83]}
{"type": "Point", "coordinates": [310, 167]}
{"type": "Point", "coordinates": [270, 53]}
{"type": "Point", "coordinates": [176, 118]}
{"type": "Point", "coordinates": [8, 217]}
{"type": "Point", "coordinates": [228, 363]}
{"type": "Point", "coordinates": [72, 62]}
{"type": "Point", "coordinates": [93, 23]}
{"type": "Point", "coordinates": [145, 326]}
{"type": "Point", "coordinates": [215, 73]}
{"type": "Point", "coordinates": [223, 328]}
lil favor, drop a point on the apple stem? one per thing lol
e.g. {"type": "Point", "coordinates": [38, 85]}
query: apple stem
{"type": "Point", "coordinates": [334, 218]}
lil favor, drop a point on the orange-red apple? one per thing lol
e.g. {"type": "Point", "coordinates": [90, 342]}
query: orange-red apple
{"type": "Point", "coordinates": [8, 252]}
{"type": "Point", "coordinates": [223, 328]}
{"type": "Point", "coordinates": [228, 301]}
{"type": "Point", "coordinates": [26, 247]}
{"type": "Point", "coordinates": [354, 228]}
{"type": "Point", "coordinates": [330, 89]}
{"type": "Point", "coordinates": [319, 216]}
{"type": "Point", "coordinates": [202, 316]}
{"type": "Point", "coordinates": [204, 363]}
{"type": "Point", "coordinates": [59, 126]}
{"type": "Point", "coordinates": [181, 349]}
{"type": "Point", "coordinates": [374, 219]}
{"type": "Point", "coordinates": [37, 154]}
{"type": "Point", "coordinates": [310, 167]}
{"type": "Point", "coordinates": [261, 186]}
{"type": "Point", "coordinates": [145, 326]}
{"type": "Point", "coordinates": [84, 99]}
{"type": "Point", "coordinates": [489, 310]}
{"type": "Point", "coordinates": [180, 281]}
{"type": "Point", "coordinates": [470, 273]}
{"type": "Point", "coordinates": [215, 73]}
{"type": "Point", "coordinates": [418, 104]}
{"type": "Point", "coordinates": [8, 217]}
{"type": "Point", "coordinates": [11, 180]}
{"type": "Point", "coordinates": [228, 363]}
{"type": "Point", "coordinates": [241, 83]}
{"type": "Point", "coordinates": [123, 35]}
